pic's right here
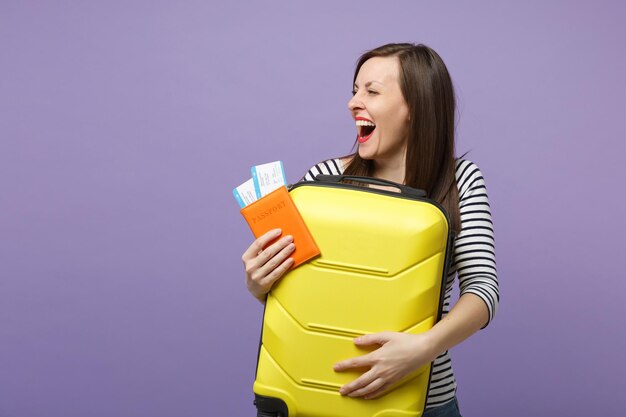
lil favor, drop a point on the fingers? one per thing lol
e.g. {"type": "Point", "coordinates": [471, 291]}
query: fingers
{"type": "Point", "coordinates": [373, 339]}
{"type": "Point", "coordinates": [276, 267]}
{"type": "Point", "coordinates": [274, 255]}
{"type": "Point", "coordinates": [352, 363]}
{"type": "Point", "coordinates": [378, 392]}
{"type": "Point", "coordinates": [371, 384]}
{"type": "Point", "coordinates": [362, 385]}
{"type": "Point", "coordinates": [265, 264]}
{"type": "Point", "coordinates": [365, 360]}
{"type": "Point", "coordinates": [382, 367]}
{"type": "Point", "coordinates": [257, 255]}
{"type": "Point", "coordinates": [257, 246]}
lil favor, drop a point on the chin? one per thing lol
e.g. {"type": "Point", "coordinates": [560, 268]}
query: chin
{"type": "Point", "coordinates": [366, 152]}
{"type": "Point", "coordinates": [365, 155]}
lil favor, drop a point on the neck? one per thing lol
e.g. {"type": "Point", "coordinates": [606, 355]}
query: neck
{"type": "Point", "coordinates": [390, 170]}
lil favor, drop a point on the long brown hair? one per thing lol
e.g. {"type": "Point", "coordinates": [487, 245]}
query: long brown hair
{"type": "Point", "coordinates": [430, 157]}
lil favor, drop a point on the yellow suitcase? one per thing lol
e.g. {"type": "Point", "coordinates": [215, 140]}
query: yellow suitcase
{"type": "Point", "coordinates": [383, 263]}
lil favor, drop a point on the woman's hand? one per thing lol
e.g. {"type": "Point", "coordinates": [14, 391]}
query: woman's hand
{"type": "Point", "coordinates": [399, 354]}
{"type": "Point", "coordinates": [265, 265]}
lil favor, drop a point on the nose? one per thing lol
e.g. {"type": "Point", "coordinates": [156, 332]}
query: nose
{"type": "Point", "coordinates": [355, 103]}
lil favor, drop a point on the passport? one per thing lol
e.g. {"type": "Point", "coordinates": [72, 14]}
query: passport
{"type": "Point", "coordinates": [277, 210]}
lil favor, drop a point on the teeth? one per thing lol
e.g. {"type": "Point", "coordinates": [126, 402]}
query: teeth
{"type": "Point", "coordinates": [364, 123]}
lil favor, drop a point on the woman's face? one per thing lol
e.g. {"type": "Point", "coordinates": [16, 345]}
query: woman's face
{"type": "Point", "coordinates": [380, 111]}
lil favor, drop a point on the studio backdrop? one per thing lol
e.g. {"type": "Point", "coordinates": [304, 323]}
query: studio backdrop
{"type": "Point", "coordinates": [125, 125]}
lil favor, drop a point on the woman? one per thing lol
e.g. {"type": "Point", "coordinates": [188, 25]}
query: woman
{"type": "Point", "coordinates": [403, 106]}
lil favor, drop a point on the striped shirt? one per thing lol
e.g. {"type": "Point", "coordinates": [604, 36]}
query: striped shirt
{"type": "Point", "coordinates": [474, 260]}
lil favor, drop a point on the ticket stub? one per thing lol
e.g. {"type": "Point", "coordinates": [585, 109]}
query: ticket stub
{"type": "Point", "coordinates": [268, 177]}
{"type": "Point", "coordinates": [245, 193]}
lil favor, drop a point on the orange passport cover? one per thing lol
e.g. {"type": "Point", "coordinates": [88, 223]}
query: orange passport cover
{"type": "Point", "coordinates": [277, 210]}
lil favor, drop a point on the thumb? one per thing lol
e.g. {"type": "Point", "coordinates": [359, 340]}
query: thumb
{"type": "Point", "coordinates": [373, 339]}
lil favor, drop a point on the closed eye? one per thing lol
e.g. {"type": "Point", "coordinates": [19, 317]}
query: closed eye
{"type": "Point", "coordinates": [370, 92]}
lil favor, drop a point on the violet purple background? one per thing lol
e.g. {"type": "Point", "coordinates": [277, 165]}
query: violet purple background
{"type": "Point", "coordinates": [125, 125]}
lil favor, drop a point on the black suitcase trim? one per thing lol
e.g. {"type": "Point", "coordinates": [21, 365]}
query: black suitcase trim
{"type": "Point", "coordinates": [270, 407]}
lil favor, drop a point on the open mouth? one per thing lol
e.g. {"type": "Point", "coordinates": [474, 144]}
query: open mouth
{"type": "Point", "coordinates": [365, 129]}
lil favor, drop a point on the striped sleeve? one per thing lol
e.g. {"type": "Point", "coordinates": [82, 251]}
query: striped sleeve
{"type": "Point", "coordinates": [474, 251]}
{"type": "Point", "coordinates": [327, 167]}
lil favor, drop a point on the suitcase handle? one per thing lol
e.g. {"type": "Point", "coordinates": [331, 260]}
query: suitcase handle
{"type": "Point", "coordinates": [404, 189]}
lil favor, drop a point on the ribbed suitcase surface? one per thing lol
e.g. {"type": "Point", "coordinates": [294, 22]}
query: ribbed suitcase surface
{"type": "Point", "coordinates": [382, 266]}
